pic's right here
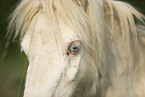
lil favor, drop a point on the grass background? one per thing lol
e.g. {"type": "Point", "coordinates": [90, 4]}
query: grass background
{"type": "Point", "coordinates": [12, 67]}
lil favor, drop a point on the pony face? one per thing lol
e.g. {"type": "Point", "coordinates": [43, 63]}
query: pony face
{"type": "Point", "coordinates": [53, 66]}
{"type": "Point", "coordinates": [75, 47]}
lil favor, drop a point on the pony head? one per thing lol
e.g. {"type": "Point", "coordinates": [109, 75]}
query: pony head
{"type": "Point", "coordinates": [64, 42]}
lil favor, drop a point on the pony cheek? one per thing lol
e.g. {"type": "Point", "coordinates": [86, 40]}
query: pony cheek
{"type": "Point", "coordinates": [49, 73]}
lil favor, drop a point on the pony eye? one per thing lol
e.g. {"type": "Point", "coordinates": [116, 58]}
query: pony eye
{"type": "Point", "coordinates": [73, 48]}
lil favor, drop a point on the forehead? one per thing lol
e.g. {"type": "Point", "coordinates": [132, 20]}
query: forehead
{"type": "Point", "coordinates": [42, 33]}
{"type": "Point", "coordinates": [50, 32]}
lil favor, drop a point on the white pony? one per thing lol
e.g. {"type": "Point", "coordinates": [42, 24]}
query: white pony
{"type": "Point", "coordinates": [81, 48]}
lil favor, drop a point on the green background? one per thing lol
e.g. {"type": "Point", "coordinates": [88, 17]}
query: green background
{"type": "Point", "coordinates": [12, 66]}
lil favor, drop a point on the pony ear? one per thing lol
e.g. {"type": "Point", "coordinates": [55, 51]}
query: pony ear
{"type": "Point", "coordinates": [123, 15]}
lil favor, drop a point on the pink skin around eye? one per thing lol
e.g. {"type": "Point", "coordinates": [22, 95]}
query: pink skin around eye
{"type": "Point", "coordinates": [68, 52]}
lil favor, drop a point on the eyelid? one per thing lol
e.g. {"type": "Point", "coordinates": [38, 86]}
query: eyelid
{"type": "Point", "coordinates": [70, 43]}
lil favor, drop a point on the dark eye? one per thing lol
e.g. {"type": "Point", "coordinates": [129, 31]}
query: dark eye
{"type": "Point", "coordinates": [73, 48]}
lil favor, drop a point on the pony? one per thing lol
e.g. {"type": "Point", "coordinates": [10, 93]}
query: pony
{"type": "Point", "coordinates": [81, 48]}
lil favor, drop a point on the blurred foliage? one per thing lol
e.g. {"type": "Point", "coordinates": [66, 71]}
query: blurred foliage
{"type": "Point", "coordinates": [12, 67]}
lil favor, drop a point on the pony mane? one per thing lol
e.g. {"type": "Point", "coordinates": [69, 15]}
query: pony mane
{"type": "Point", "coordinates": [22, 16]}
{"type": "Point", "coordinates": [27, 9]}
{"type": "Point", "coordinates": [127, 16]}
